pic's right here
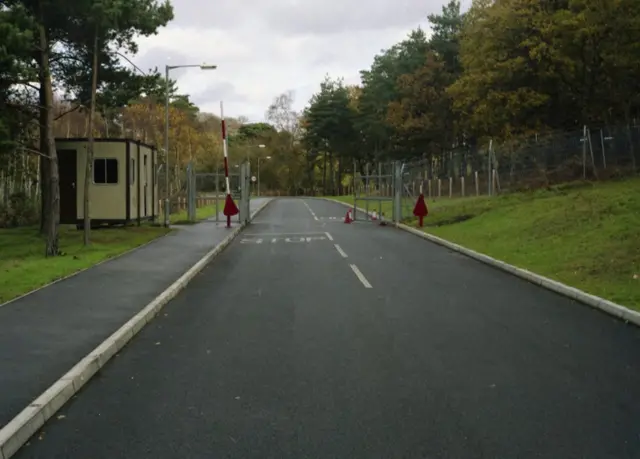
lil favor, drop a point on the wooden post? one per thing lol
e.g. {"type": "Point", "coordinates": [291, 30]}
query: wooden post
{"type": "Point", "coordinates": [475, 178]}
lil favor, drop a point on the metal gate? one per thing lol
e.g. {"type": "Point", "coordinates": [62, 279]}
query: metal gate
{"type": "Point", "coordinates": [208, 189]}
{"type": "Point", "coordinates": [377, 193]}
{"type": "Point", "coordinates": [413, 182]}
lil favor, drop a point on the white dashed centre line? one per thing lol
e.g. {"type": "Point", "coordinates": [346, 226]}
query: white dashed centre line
{"type": "Point", "coordinates": [340, 251]}
{"type": "Point", "coordinates": [360, 276]}
{"type": "Point", "coordinates": [329, 236]}
{"type": "Point", "coordinates": [312, 212]}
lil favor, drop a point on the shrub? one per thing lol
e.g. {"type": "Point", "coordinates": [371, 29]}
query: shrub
{"type": "Point", "coordinates": [21, 211]}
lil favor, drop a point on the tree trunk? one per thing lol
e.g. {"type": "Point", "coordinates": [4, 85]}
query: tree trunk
{"type": "Point", "coordinates": [45, 181]}
{"type": "Point", "coordinates": [88, 175]}
{"type": "Point", "coordinates": [632, 152]}
{"type": "Point", "coordinates": [52, 216]}
{"type": "Point", "coordinates": [332, 177]}
{"type": "Point", "coordinates": [324, 174]}
{"type": "Point", "coordinates": [340, 193]}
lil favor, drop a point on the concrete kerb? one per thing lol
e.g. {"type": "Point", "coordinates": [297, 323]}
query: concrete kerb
{"type": "Point", "coordinates": [18, 431]}
{"type": "Point", "coordinates": [593, 301]}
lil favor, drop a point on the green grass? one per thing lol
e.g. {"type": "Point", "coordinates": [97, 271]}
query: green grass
{"type": "Point", "coordinates": [202, 213]}
{"type": "Point", "coordinates": [584, 235]}
{"type": "Point", "coordinates": [23, 266]}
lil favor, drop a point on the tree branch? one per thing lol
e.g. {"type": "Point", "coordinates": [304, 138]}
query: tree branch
{"type": "Point", "coordinates": [31, 150]}
{"type": "Point", "coordinates": [66, 112]}
{"type": "Point", "coordinates": [29, 85]}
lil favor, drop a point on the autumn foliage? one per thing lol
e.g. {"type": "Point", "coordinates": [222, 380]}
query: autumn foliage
{"type": "Point", "coordinates": [525, 76]}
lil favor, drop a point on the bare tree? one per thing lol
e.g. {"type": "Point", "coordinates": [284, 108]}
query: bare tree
{"type": "Point", "coordinates": [282, 115]}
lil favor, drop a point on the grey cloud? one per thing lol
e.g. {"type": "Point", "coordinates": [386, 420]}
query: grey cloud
{"type": "Point", "coordinates": [337, 16]}
{"type": "Point", "coordinates": [305, 17]}
{"type": "Point", "coordinates": [221, 14]}
{"type": "Point", "coordinates": [213, 94]}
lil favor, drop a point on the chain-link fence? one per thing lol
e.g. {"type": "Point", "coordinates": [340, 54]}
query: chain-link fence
{"type": "Point", "coordinates": [524, 164]}
{"type": "Point", "coordinates": [533, 162]}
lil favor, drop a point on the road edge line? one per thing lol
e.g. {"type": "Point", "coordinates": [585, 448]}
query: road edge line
{"type": "Point", "coordinates": [609, 307]}
{"type": "Point", "coordinates": [20, 429]}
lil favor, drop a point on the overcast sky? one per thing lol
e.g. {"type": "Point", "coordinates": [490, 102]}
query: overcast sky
{"type": "Point", "coordinates": [266, 47]}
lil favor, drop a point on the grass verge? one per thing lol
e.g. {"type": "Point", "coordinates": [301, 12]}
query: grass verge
{"type": "Point", "coordinates": [584, 235]}
{"type": "Point", "coordinates": [202, 213]}
{"type": "Point", "coordinates": [23, 267]}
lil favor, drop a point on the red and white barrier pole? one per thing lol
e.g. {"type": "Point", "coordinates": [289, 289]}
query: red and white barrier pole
{"type": "Point", "coordinates": [230, 207]}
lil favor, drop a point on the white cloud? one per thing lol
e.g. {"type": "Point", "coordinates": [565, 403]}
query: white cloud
{"type": "Point", "coordinates": [265, 48]}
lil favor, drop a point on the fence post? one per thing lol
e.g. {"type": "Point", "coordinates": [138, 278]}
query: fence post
{"type": "Point", "coordinates": [490, 168]}
{"type": "Point", "coordinates": [593, 161]}
{"type": "Point", "coordinates": [439, 188]}
{"type": "Point", "coordinates": [429, 185]}
{"type": "Point", "coordinates": [397, 191]}
{"type": "Point", "coordinates": [191, 194]}
{"type": "Point", "coordinates": [217, 196]}
{"type": "Point", "coordinates": [450, 187]}
{"type": "Point", "coordinates": [462, 191]}
{"type": "Point", "coordinates": [604, 156]}
{"type": "Point", "coordinates": [475, 178]}
{"type": "Point", "coordinates": [584, 152]}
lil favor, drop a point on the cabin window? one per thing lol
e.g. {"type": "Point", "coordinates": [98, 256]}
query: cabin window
{"type": "Point", "coordinates": [132, 172]}
{"type": "Point", "coordinates": [105, 171]}
{"type": "Point", "coordinates": [145, 169]}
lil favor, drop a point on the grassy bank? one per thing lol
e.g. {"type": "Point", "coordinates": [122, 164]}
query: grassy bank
{"type": "Point", "coordinates": [584, 235]}
{"type": "Point", "coordinates": [24, 268]}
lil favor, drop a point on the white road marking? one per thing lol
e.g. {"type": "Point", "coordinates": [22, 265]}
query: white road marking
{"type": "Point", "coordinates": [340, 251]}
{"type": "Point", "coordinates": [329, 236]}
{"type": "Point", "coordinates": [312, 212]}
{"type": "Point", "coordinates": [289, 239]}
{"type": "Point", "coordinates": [360, 276]}
{"type": "Point", "coordinates": [308, 233]}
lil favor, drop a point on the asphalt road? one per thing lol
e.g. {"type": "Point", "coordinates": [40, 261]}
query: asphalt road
{"type": "Point", "coordinates": [44, 334]}
{"type": "Point", "coordinates": [282, 349]}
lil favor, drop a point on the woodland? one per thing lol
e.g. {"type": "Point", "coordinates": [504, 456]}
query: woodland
{"type": "Point", "coordinates": [502, 73]}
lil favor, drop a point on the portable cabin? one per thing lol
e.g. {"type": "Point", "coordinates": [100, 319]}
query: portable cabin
{"type": "Point", "coordinates": [124, 187]}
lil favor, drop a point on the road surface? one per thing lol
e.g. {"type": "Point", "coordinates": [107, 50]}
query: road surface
{"type": "Point", "coordinates": [309, 338]}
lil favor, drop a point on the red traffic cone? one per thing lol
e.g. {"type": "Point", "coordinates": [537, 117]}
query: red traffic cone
{"type": "Point", "coordinates": [374, 215]}
{"type": "Point", "coordinates": [347, 218]}
{"type": "Point", "coordinates": [420, 210]}
{"type": "Point", "coordinates": [230, 209]}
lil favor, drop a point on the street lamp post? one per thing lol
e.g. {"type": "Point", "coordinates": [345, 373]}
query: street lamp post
{"type": "Point", "coordinates": [266, 157]}
{"type": "Point", "coordinates": [167, 206]}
